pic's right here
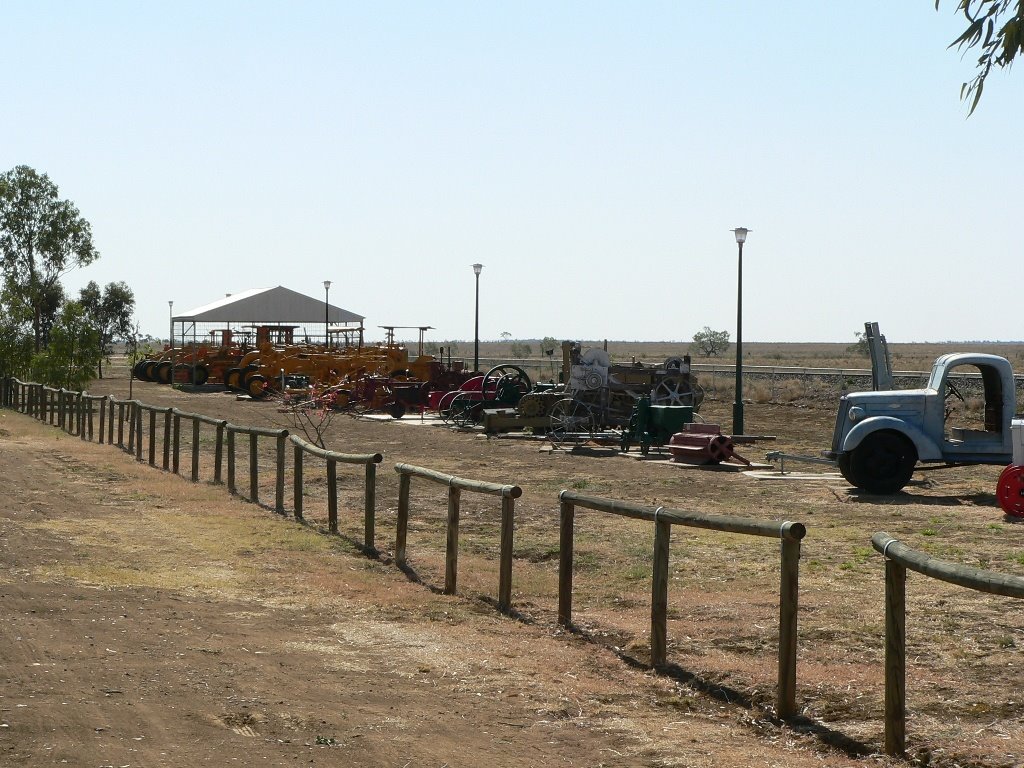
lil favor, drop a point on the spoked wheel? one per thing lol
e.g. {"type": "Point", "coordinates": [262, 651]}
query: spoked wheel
{"type": "Point", "coordinates": [444, 405]}
{"type": "Point", "coordinates": [1010, 490]}
{"type": "Point", "coordinates": [505, 376]}
{"type": "Point", "coordinates": [571, 424]}
{"type": "Point", "coordinates": [673, 390]}
{"type": "Point", "coordinates": [465, 410]}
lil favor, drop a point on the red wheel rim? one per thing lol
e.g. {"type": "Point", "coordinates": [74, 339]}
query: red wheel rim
{"type": "Point", "coordinates": [1010, 490]}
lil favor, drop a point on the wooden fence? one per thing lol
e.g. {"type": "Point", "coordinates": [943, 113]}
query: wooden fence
{"type": "Point", "coordinates": [508, 494]}
{"type": "Point", "coordinates": [790, 533]}
{"type": "Point", "coordinates": [898, 559]}
{"type": "Point", "coordinates": [254, 433]}
{"type": "Point", "coordinates": [333, 458]}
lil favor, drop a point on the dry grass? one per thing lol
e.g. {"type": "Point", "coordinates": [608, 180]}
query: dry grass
{"type": "Point", "coordinates": [963, 668]}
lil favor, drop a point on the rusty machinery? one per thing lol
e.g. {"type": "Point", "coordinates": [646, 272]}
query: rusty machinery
{"type": "Point", "coordinates": [601, 397]}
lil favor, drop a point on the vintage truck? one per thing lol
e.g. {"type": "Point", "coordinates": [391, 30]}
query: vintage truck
{"type": "Point", "coordinates": [881, 436]}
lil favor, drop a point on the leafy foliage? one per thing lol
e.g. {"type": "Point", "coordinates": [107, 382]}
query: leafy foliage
{"type": "Point", "coordinates": [73, 353]}
{"type": "Point", "coordinates": [711, 343]}
{"type": "Point", "coordinates": [110, 313]}
{"type": "Point", "coordinates": [996, 28]}
{"type": "Point", "coordinates": [860, 347]}
{"type": "Point", "coordinates": [41, 238]}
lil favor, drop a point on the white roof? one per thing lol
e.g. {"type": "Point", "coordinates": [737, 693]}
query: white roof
{"type": "Point", "coordinates": [268, 305]}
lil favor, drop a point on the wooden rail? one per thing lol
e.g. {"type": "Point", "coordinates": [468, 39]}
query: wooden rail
{"type": "Point", "coordinates": [281, 436]}
{"type": "Point", "coordinates": [898, 559]}
{"type": "Point", "coordinates": [790, 534]}
{"type": "Point", "coordinates": [333, 458]}
{"type": "Point", "coordinates": [508, 494]}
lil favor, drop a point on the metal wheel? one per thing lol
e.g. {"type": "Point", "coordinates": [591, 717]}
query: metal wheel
{"type": "Point", "coordinates": [464, 410]}
{"type": "Point", "coordinates": [444, 405]}
{"type": "Point", "coordinates": [256, 386]}
{"type": "Point", "coordinates": [672, 390]}
{"type": "Point", "coordinates": [1010, 490]}
{"type": "Point", "coordinates": [571, 423]}
{"type": "Point", "coordinates": [505, 375]}
{"type": "Point", "coordinates": [232, 379]}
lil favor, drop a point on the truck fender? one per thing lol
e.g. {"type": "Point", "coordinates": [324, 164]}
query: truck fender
{"type": "Point", "coordinates": [927, 450]}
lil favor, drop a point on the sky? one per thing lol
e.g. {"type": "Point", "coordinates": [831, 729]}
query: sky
{"type": "Point", "coordinates": [593, 156]}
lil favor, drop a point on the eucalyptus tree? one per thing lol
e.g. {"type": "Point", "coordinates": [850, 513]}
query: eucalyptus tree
{"type": "Point", "coordinates": [42, 238]}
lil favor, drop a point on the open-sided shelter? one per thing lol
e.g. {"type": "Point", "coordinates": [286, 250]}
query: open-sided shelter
{"type": "Point", "coordinates": [282, 308]}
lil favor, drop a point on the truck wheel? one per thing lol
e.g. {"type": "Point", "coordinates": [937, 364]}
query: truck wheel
{"type": "Point", "coordinates": [883, 463]}
{"type": "Point", "coordinates": [163, 372]}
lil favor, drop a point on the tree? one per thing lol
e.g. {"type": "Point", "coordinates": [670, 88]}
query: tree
{"type": "Point", "coordinates": [520, 349]}
{"type": "Point", "coordinates": [711, 343]}
{"type": "Point", "coordinates": [73, 352]}
{"type": "Point", "coordinates": [860, 347]}
{"type": "Point", "coordinates": [548, 345]}
{"type": "Point", "coordinates": [997, 29]}
{"type": "Point", "coordinates": [41, 238]}
{"type": "Point", "coordinates": [110, 313]}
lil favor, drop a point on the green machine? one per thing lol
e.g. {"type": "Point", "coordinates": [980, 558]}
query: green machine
{"type": "Point", "coordinates": [654, 424]}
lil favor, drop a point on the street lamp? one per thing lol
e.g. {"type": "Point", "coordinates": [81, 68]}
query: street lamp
{"type": "Point", "coordinates": [477, 268]}
{"type": "Point", "coordinates": [170, 312]}
{"type": "Point", "coordinates": [737, 406]}
{"type": "Point", "coordinates": [327, 314]}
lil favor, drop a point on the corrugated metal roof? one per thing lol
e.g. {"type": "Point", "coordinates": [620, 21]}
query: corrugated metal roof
{"type": "Point", "coordinates": [268, 305]}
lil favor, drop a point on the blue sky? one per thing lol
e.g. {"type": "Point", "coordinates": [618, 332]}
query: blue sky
{"type": "Point", "coordinates": [593, 156]}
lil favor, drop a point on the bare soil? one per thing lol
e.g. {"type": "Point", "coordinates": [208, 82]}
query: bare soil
{"type": "Point", "coordinates": [152, 621]}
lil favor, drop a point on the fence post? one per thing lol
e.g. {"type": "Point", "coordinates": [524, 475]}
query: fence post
{"type": "Point", "coordinates": [80, 414]}
{"type": "Point", "coordinates": [788, 602]}
{"type": "Point", "coordinates": [659, 591]}
{"type": "Point", "coordinates": [167, 439]}
{"type": "Point", "coordinates": [176, 450]}
{"type": "Point", "coordinates": [895, 658]}
{"type": "Point", "coordinates": [231, 461]}
{"type": "Point", "coordinates": [195, 449]}
{"type": "Point", "coordinates": [402, 523]}
{"type": "Point", "coordinates": [369, 506]}
{"type": "Point", "coordinates": [254, 469]}
{"type": "Point", "coordinates": [279, 485]}
{"type": "Point", "coordinates": [60, 408]}
{"type": "Point", "coordinates": [152, 437]}
{"type": "Point", "coordinates": [297, 482]}
{"type": "Point", "coordinates": [90, 418]}
{"type": "Point", "coordinates": [218, 453]}
{"type": "Point", "coordinates": [130, 416]}
{"type": "Point", "coordinates": [451, 555]}
{"type": "Point", "coordinates": [508, 506]}
{"type": "Point", "coordinates": [137, 422]}
{"type": "Point", "coordinates": [332, 495]}
{"type": "Point", "coordinates": [567, 511]}
{"type": "Point", "coordinates": [120, 424]}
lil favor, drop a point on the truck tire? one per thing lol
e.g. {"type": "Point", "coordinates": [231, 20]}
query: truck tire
{"type": "Point", "coordinates": [883, 463]}
{"type": "Point", "coordinates": [164, 372]}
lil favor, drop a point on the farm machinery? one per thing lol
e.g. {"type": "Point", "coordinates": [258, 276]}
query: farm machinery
{"type": "Point", "coordinates": [372, 377]}
{"type": "Point", "coordinates": [193, 363]}
{"type": "Point", "coordinates": [622, 403]}
{"type": "Point", "coordinates": [625, 403]}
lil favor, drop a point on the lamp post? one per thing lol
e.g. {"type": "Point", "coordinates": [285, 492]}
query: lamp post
{"type": "Point", "coordinates": [170, 312]}
{"type": "Point", "coordinates": [737, 406]}
{"type": "Point", "coordinates": [477, 268]}
{"type": "Point", "coordinates": [327, 314]}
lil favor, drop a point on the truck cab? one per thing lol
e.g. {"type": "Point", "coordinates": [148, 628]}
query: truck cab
{"type": "Point", "coordinates": [961, 416]}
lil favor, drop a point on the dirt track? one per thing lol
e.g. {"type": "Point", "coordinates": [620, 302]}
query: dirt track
{"type": "Point", "coordinates": [151, 621]}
